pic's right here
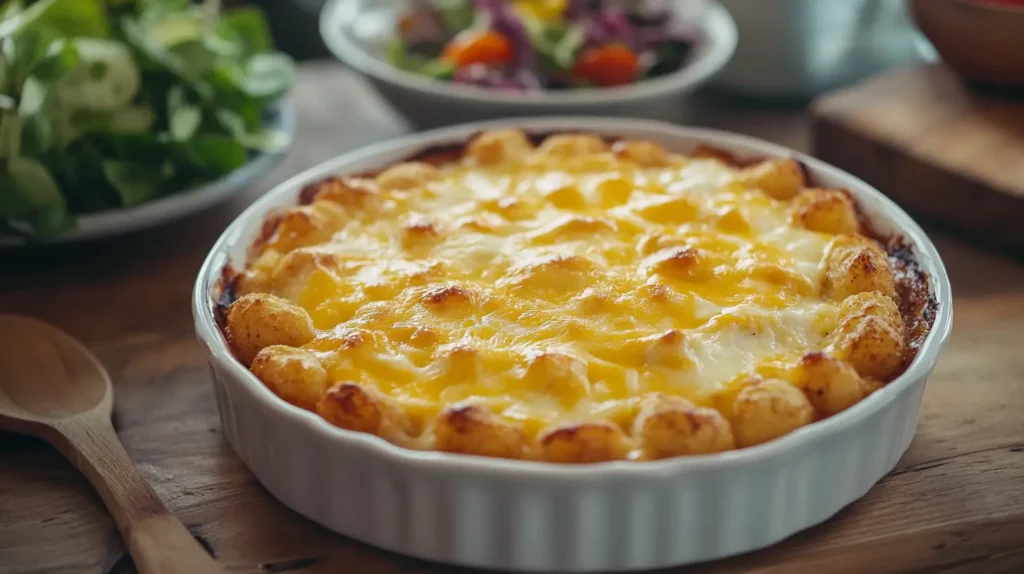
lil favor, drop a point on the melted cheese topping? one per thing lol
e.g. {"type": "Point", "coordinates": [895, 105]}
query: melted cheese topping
{"type": "Point", "coordinates": [560, 290]}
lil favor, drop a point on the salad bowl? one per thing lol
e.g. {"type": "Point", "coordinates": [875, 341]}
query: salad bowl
{"type": "Point", "coordinates": [119, 116]}
{"type": "Point", "coordinates": [358, 32]}
{"type": "Point", "coordinates": [114, 222]}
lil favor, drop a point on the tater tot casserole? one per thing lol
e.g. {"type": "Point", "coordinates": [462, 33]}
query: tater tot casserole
{"type": "Point", "coordinates": [572, 298]}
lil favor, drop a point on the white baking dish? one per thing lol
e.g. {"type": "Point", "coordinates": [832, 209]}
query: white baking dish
{"type": "Point", "coordinates": [517, 515]}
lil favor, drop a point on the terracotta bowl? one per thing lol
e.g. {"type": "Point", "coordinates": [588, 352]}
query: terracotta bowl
{"type": "Point", "coordinates": [980, 39]}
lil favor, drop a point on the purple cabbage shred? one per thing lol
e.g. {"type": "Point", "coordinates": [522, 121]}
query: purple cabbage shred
{"type": "Point", "coordinates": [662, 41]}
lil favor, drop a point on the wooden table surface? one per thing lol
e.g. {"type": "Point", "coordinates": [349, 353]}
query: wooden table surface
{"type": "Point", "coordinates": [954, 504]}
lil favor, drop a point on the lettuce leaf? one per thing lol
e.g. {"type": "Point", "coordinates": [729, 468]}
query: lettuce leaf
{"type": "Point", "coordinates": [64, 17]}
{"type": "Point", "coordinates": [33, 196]}
{"type": "Point", "coordinates": [247, 28]}
{"type": "Point", "coordinates": [70, 143]}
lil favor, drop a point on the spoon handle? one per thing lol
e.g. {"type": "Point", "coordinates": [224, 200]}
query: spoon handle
{"type": "Point", "coordinates": [158, 543]}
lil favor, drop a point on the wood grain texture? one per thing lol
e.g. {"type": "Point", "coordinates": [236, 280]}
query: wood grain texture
{"type": "Point", "coordinates": [159, 543]}
{"type": "Point", "coordinates": [954, 504]}
{"type": "Point", "coordinates": [53, 388]}
{"type": "Point", "coordinates": [944, 151]}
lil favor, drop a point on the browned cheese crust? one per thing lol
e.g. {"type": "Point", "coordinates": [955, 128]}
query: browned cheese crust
{"type": "Point", "coordinates": [885, 312]}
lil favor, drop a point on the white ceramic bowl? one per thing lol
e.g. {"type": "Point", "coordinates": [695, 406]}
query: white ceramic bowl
{"type": "Point", "coordinates": [357, 32]}
{"type": "Point", "coordinates": [175, 206]}
{"type": "Point", "coordinates": [517, 515]}
{"type": "Point", "coordinates": [797, 49]}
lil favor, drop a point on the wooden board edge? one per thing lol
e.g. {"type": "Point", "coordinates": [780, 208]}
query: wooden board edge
{"type": "Point", "coordinates": [952, 200]}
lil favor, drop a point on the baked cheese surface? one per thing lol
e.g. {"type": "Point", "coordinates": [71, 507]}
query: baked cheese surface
{"type": "Point", "coordinates": [559, 288]}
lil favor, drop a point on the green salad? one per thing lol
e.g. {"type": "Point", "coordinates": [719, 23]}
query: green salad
{"type": "Point", "coordinates": [108, 104]}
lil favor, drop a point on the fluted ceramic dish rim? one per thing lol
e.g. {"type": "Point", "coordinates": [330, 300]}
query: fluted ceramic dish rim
{"type": "Point", "coordinates": [246, 225]}
{"type": "Point", "coordinates": [718, 28]}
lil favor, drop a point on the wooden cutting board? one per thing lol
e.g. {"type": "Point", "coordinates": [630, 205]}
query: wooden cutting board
{"type": "Point", "coordinates": [947, 153]}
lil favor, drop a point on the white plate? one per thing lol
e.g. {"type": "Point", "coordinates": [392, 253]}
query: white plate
{"type": "Point", "coordinates": [519, 515]}
{"type": "Point", "coordinates": [175, 206]}
{"type": "Point", "coordinates": [358, 32]}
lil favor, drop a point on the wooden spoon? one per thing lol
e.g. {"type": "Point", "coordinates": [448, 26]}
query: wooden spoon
{"type": "Point", "coordinates": [53, 388]}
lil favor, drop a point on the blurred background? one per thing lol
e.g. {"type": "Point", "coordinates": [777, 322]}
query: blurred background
{"type": "Point", "coordinates": [294, 25]}
{"type": "Point", "coordinates": [110, 109]}
{"type": "Point", "coordinates": [788, 49]}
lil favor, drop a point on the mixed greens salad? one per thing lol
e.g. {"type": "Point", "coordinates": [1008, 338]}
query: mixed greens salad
{"type": "Point", "coordinates": [542, 44]}
{"type": "Point", "coordinates": [108, 104]}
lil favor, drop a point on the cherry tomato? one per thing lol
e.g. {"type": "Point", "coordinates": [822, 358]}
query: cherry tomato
{"type": "Point", "coordinates": [487, 47]}
{"type": "Point", "coordinates": [611, 65]}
